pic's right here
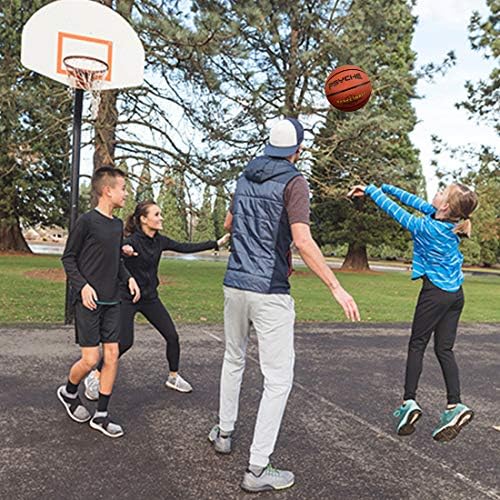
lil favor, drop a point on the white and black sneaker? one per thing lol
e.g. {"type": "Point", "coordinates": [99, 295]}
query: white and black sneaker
{"type": "Point", "coordinates": [73, 406]}
{"type": "Point", "coordinates": [177, 383]}
{"type": "Point", "coordinates": [101, 422]}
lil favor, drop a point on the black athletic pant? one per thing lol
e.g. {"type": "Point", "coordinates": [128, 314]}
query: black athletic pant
{"type": "Point", "coordinates": [154, 311]}
{"type": "Point", "coordinates": [437, 311]}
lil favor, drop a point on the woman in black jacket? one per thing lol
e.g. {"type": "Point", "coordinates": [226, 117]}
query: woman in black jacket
{"type": "Point", "coordinates": [142, 249]}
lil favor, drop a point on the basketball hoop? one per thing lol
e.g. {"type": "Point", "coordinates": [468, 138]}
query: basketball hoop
{"type": "Point", "coordinates": [87, 73]}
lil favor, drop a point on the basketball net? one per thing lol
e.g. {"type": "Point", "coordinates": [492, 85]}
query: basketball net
{"type": "Point", "coordinates": [87, 73]}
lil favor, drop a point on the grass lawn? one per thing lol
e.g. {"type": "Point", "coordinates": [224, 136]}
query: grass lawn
{"type": "Point", "coordinates": [32, 291]}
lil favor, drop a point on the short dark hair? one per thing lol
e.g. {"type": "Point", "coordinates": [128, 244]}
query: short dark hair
{"type": "Point", "coordinates": [104, 176]}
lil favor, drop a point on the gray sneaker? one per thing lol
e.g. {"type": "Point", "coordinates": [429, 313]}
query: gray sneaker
{"type": "Point", "coordinates": [91, 383]}
{"type": "Point", "coordinates": [177, 383]}
{"type": "Point", "coordinates": [101, 422]}
{"type": "Point", "coordinates": [269, 479]}
{"type": "Point", "coordinates": [221, 444]}
{"type": "Point", "coordinates": [73, 406]}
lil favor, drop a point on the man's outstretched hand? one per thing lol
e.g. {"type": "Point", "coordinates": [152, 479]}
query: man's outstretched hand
{"type": "Point", "coordinates": [347, 303]}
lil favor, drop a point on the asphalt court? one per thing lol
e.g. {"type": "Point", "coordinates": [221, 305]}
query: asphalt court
{"type": "Point", "coordinates": [337, 434]}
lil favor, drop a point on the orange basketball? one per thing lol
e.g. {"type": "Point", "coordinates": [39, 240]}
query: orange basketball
{"type": "Point", "coordinates": [348, 88]}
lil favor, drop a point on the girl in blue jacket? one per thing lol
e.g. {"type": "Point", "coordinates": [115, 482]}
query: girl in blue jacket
{"type": "Point", "coordinates": [438, 262]}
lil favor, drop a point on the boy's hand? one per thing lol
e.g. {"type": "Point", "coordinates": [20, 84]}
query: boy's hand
{"type": "Point", "coordinates": [134, 290]}
{"type": "Point", "coordinates": [357, 191]}
{"type": "Point", "coordinates": [347, 303]}
{"type": "Point", "coordinates": [129, 251]}
{"type": "Point", "coordinates": [222, 242]}
{"type": "Point", "coordinates": [89, 297]}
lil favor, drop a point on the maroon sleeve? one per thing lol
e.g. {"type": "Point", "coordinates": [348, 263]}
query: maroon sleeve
{"type": "Point", "coordinates": [297, 202]}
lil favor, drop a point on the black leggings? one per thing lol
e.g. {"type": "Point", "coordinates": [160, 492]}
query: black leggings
{"type": "Point", "coordinates": [154, 311]}
{"type": "Point", "coordinates": [437, 311]}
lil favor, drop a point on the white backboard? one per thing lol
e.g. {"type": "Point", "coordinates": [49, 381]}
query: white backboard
{"type": "Point", "coordinates": [84, 28]}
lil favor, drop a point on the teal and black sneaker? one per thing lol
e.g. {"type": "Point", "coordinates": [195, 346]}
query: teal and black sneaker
{"type": "Point", "coordinates": [407, 414]}
{"type": "Point", "coordinates": [451, 423]}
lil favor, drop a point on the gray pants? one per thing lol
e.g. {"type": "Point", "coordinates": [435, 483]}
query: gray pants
{"type": "Point", "coordinates": [272, 316]}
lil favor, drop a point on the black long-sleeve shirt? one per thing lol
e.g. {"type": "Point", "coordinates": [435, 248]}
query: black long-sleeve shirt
{"type": "Point", "coordinates": [93, 255]}
{"type": "Point", "coordinates": [144, 266]}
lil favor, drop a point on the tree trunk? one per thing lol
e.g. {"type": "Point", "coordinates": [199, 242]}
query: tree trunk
{"type": "Point", "coordinates": [11, 236]}
{"type": "Point", "coordinates": [107, 118]}
{"type": "Point", "coordinates": [105, 130]}
{"type": "Point", "coordinates": [356, 258]}
{"type": "Point", "coordinates": [290, 108]}
{"type": "Point", "coordinates": [105, 126]}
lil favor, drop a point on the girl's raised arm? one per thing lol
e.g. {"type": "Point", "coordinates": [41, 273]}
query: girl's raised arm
{"type": "Point", "coordinates": [409, 199]}
{"type": "Point", "coordinates": [391, 208]}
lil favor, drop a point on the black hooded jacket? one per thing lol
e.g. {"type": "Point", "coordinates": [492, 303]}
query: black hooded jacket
{"type": "Point", "coordinates": [144, 266]}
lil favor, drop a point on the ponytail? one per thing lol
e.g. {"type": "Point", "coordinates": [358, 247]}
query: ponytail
{"type": "Point", "coordinates": [133, 222]}
{"type": "Point", "coordinates": [462, 202]}
{"type": "Point", "coordinates": [463, 228]}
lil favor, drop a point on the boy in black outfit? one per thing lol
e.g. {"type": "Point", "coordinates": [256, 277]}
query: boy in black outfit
{"type": "Point", "coordinates": [94, 267]}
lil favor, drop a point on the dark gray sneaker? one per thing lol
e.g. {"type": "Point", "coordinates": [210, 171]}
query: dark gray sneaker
{"type": "Point", "coordinates": [73, 406]}
{"type": "Point", "coordinates": [221, 444]}
{"type": "Point", "coordinates": [269, 479]}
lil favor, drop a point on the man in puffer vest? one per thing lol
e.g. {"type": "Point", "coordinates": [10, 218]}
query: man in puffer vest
{"type": "Point", "coordinates": [270, 210]}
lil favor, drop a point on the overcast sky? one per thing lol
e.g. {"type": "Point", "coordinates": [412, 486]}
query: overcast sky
{"type": "Point", "coordinates": [443, 27]}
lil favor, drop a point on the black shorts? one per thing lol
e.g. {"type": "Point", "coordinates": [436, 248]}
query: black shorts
{"type": "Point", "coordinates": [99, 326]}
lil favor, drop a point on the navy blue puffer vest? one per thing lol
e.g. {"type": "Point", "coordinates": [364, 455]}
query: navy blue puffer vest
{"type": "Point", "coordinates": [261, 236]}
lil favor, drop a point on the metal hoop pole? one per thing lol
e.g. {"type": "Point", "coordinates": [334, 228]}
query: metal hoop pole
{"type": "Point", "coordinates": [74, 187]}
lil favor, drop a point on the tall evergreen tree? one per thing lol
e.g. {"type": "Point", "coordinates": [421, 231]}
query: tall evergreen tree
{"type": "Point", "coordinates": [484, 103]}
{"type": "Point", "coordinates": [485, 178]}
{"type": "Point", "coordinates": [171, 202]}
{"type": "Point", "coordinates": [264, 60]}
{"type": "Point", "coordinates": [219, 212]}
{"type": "Point", "coordinates": [144, 189]}
{"type": "Point", "coordinates": [130, 202]}
{"type": "Point", "coordinates": [35, 116]}
{"type": "Point", "coordinates": [269, 59]}
{"type": "Point", "coordinates": [483, 97]}
{"type": "Point", "coordinates": [230, 66]}
{"type": "Point", "coordinates": [204, 229]}
{"type": "Point", "coordinates": [480, 169]}
{"type": "Point", "coordinates": [372, 144]}
{"type": "Point", "coordinates": [85, 200]}
{"type": "Point", "coordinates": [481, 166]}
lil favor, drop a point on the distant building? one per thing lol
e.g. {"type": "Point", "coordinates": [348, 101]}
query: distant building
{"type": "Point", "coordinates": [52, 234]}
{"type": "Point", "coordinates": [31, 235]}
